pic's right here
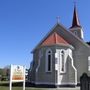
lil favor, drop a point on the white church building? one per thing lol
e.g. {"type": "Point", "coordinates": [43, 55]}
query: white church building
{"type": "Point", "coordinates": [61, 57]}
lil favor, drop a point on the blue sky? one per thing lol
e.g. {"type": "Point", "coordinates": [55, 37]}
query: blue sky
{"type": "Point", "coordinates": [23, 23]}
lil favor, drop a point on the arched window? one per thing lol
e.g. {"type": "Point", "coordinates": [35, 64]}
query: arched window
{"type": "Point", "coordinates": [48, 60]}
{"type": "Point", "coordinates": [62, 56]}
{"type": "Point", "coordinates": [62, 60]}
{"type": "Point", "coordinates": [75, 32]}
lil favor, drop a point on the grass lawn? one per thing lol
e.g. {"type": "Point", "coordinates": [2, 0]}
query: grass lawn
{"type": "Point", "coordinates": [20, 88]}
{"type": "Point", "coordinates": [7, 88]}
{"type": "Point", "coordinates": [32, 88]}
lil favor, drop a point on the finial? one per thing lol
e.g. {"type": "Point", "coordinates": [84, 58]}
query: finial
{"type": "Point", "coordinates": [75, 3]}
{"type": "Point", "coordinates": [58, 19]}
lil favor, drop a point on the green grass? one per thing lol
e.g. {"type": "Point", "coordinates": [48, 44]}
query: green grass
{"type": "Point", "coordinates": [20, 88]}
{"type": "Point", "coordinates": [14, 88]}
{"type": "Point", "coordinates": [32, 88]}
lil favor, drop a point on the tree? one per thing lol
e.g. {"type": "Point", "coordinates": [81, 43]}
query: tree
{"type": "Point", "coordinates": [4, 73]}
{"type": "Point", "coordinates": [88, 43]}
{"type": "Point", "coordinates": [1, 71]}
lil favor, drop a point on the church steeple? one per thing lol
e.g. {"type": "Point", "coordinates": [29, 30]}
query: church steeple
{"type": "Point", "coordinates": [76, 28]}
{"type": "Point", "coordinates": [75, 22]}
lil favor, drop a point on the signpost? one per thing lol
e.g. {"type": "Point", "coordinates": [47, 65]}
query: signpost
{"type": "Point", "coordinates": [17, 74]}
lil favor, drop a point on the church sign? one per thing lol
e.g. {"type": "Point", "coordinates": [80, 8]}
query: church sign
{"type": "Point", "coordinates": [17, 74]}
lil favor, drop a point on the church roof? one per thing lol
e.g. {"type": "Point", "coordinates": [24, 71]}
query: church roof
{"type": "Point", "coordinates": [75, 22]}
{"type": "Point", "coordinates": [60, 35]}
{"type": "Point", "coordinates": [53, 39]}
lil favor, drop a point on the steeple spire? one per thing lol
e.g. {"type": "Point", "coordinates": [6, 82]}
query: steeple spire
{"type": "Point", "coordinates": [76, 28]}
{"type": "Point", "coordinates": [75, 22]}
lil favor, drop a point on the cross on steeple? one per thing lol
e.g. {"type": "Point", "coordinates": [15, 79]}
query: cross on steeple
{"type": "Point", "coordinates": [58, 19]}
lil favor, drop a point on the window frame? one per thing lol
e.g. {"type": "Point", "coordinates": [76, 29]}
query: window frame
{"type": "Point", "coordinates": [75, 32]}
{"type": "Point", "coordinates": [48, 54]}
{"type": "Point", "coordinates": [62, 66]}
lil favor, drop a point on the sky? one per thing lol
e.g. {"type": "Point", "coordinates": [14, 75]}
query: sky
{"type": "Point", "coordinates": [23, 23]}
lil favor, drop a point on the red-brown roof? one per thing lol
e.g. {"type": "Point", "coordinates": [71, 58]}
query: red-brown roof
{"type": "Point", "coordinates": [53, 39]}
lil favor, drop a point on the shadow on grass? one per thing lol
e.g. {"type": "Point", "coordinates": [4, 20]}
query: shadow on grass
{"type": "Point", "coordinates": [17, 84]}
{"type": "Point", "coordinates": [27, 84]}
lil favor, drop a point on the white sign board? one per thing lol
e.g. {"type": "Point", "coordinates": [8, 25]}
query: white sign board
{"type": "Point", "coordinates": [17, 74]}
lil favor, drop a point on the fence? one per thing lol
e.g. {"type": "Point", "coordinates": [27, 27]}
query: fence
{"type": "Point", "coordinates": [84, 82]}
